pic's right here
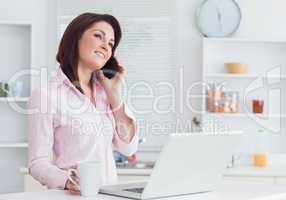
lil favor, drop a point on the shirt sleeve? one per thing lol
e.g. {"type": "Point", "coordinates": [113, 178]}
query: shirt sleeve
{"type": "Point", "coordinates": [126, 149]}
{"type": "Point", "coordinates": [41, 140]}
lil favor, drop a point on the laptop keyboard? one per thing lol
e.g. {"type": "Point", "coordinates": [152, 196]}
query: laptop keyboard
{"type": "Point", "coordinates": [136, 190]}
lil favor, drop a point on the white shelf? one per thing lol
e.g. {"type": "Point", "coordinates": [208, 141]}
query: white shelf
{"type": "Point", "coordinates": [10, 22]}
{"type": "Point", "coordinates": [240, 76]}
{"type": "Point", "coordinates": [14, 145]}
{"type": "Point", "coordinates": [14, 99]}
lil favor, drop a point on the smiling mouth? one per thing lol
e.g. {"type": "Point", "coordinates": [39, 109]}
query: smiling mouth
{"type": "Point", "coordinates": [100, 54]}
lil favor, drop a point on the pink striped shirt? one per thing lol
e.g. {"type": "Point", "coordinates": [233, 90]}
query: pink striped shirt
{"type": "Point", "coordinates": [69, 127]}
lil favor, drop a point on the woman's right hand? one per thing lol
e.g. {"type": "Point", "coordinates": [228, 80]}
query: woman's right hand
{"type": "Point", "coordinates": [70, 186]}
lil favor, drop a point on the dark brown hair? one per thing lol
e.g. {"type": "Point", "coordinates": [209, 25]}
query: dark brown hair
{"type": "Point", "coordinates": [68, 55]}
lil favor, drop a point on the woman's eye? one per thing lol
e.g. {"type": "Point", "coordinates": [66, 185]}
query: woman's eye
{"type": "Point", "coordinates": [97, 36]}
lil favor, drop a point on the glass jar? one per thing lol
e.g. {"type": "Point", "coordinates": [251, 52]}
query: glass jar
{"type": "Point", "coordinates": [231, 101]}
{"type": "Point", "coordinates": [214, 95]}
{"type": "Point", "coordinates": [261, 153]}
{"type": "Point", "coordinates": [257, 106]}
{"type": "Point", "coordinates": [234, 102]}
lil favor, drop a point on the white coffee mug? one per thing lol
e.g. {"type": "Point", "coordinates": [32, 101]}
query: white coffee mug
{"type": "Point", "coordinates": [90, 174]}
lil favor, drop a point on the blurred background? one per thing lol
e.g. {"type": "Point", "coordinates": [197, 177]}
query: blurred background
{"type": "Point", "coordinates": [167, 59]}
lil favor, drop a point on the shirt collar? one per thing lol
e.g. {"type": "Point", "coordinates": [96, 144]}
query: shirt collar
{"type": "Point", "coordinates": [63, 79]}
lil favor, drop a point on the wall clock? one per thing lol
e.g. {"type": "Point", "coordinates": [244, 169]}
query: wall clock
{"type": "Point", "coordinates": [218, 18]}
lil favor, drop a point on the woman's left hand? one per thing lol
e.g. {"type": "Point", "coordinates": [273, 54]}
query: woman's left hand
{"type": "Point", "coordinates": [113, 86]}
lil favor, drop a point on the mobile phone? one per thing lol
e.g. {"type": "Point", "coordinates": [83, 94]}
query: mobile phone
{"type": "Point", "coordinates": [111, 67]}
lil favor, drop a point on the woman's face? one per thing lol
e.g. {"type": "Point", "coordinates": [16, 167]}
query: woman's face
{"type": "Point", "coordinates": [95, 46]}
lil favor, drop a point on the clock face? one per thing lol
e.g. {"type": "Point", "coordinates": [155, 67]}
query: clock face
{"type": "Point", "coordinates": [218, 18]}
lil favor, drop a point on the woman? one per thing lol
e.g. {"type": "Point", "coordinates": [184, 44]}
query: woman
{"type": "Point", "coordinates": [80, 115]}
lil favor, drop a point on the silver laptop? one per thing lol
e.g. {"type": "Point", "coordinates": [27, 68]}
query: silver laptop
{"type": "Point", "coordinates": [188, 164]}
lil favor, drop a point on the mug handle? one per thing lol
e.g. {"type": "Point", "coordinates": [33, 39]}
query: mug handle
{"type": "Point", "coordinates": [70, 178]}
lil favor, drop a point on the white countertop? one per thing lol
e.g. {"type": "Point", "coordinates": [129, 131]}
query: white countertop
{"type": "Point", "coordinates": [250, 171]}
{"type": "Point", "coordinates": [120, 171]}
{"type": "Point", "coordinates": [277, 171]}
{"type": "Point", "coordinates": [271, 171]}
{"type": "Point", "coordinates": [229, 190]}
{"type": "Point", "coordinates": [135, 172]}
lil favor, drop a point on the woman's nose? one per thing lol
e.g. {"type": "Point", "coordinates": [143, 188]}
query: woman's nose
{"type": "Point", "coordinates": [104, 45]}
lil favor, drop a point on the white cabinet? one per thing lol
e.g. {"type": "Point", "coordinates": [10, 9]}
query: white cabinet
{"type": "Point", "coordinates": [266, 72]}
{"type": "Point", "coordinates": [273, 175]}
{"type": "Point", "coordinates": [15, 64]}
